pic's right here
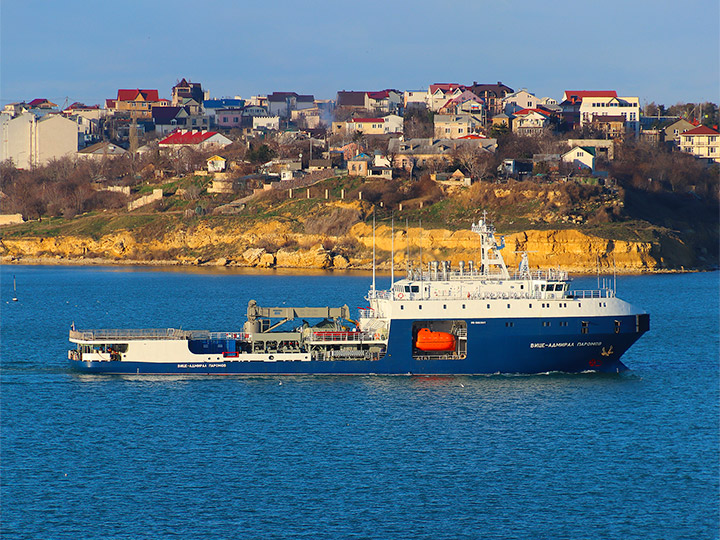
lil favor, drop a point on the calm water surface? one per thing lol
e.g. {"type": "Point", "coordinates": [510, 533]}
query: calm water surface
{"type": "Point", "coordinates": [584, 456]}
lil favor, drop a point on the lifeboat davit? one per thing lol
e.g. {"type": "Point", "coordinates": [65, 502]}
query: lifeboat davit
{"type": "Point", "coordinates": [427, 340]}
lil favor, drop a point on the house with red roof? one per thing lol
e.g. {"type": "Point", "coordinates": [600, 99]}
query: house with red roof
{"type": "Point", "coordinates": [42, 103]}
{"type": "Point", "coordinates": [531, 121]}
{"type": "Point", "coordinates": [135, 102]}
{"type": "Point", "coordinates": [440, 93]}
{"type": "Point", "coordinates": [580, 107]}
{"type": "Point", "coordinates": [195, 139]}
{"type": "Point", "coordinates": [582, 94]}
{"type": "Point", "coordinates": [385, 101]}
{"type": "Point", "coordinates": [466, 102]}
{"type": "Point", "coordinates": [702, 142]}
{"type": "Point", "coordinates": [89, 112]}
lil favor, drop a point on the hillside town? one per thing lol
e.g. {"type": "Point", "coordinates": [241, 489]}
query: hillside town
{"type": "Point", "coordinates": [421, 129]}
{"type": "Point", "coordinates": [585, 157]}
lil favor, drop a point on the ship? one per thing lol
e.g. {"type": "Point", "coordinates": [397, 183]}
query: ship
{"type": "Point", "coordinates": [474, 319]}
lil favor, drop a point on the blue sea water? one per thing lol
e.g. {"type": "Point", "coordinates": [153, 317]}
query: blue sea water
{"type": "Point", "coordinates": [556, 456]}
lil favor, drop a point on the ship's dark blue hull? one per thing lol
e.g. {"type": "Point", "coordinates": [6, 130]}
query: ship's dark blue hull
{"type": "Point", "coordinates": [493, 346]}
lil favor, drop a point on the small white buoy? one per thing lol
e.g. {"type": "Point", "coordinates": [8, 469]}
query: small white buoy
{"type": "Point", "coordinates": [280, 383]}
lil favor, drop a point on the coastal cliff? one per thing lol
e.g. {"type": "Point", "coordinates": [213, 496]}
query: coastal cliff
{"type": "Point", "coordinates": [274, 244]}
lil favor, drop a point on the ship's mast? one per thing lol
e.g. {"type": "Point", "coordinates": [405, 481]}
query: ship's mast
{"type": "Point", "coordinates": [373, 281]}
{"type": "Point", "coordinates": [491, 259]}
{"type": "Point", "coordinates": [392, 251]}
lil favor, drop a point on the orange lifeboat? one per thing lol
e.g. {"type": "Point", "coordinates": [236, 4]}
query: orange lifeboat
{"type": "Point", "coordinates": [427, 340]}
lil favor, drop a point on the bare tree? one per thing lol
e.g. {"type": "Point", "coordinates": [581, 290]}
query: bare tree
{"type": "Point", "coordinates": [477, 161]}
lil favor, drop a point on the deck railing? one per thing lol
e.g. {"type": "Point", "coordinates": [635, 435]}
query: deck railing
{"type": "Point", "coordinates": [122, 334]}
{"type": "Point", "coordinates": [342, 336]}
{"type": "Point", "coordinates": [457, 275]}
{"type": "Point", "coordinates": [153, 333]}
{"type": "Point", "coordinates": [463, 295]}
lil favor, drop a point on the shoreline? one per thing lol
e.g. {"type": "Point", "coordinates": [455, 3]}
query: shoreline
{"type": "Point", "coordinates": [232, 265]}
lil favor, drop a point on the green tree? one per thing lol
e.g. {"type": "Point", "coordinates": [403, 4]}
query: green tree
{"type": "Point", "coordinates": [261, 154]}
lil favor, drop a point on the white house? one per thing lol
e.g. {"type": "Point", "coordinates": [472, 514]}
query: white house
{"type": "Point", "coordinates": [439, 94]}
{"type": "Point", "coordinates": [194, 139]}
{"type": "Point", "coordinates": [454, 126]}
{"type": "Point", "coordinates": [580, 158]}
{"type": "Point", "coordinates": [522, 99]}
{"type": "Point", "coordinates": [702, 142]}
{"type": "Point", "coordinates": [216, 164]}
{"type": "Point", "coordinates": [627, 107]}
{"type": "Point", "coordinates": [266, 122]}
{"type": "Point", "coordinates": [530, 121]}
{"type": "Point", "coordinates": [415, 98]}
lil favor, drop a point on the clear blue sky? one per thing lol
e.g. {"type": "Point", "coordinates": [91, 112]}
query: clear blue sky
{"type": "Point", "coordinates": [662, 51]}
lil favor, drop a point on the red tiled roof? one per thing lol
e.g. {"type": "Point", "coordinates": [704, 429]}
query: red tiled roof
{"type": "Point", "coordinates": [523, 112]}
{"type": "Point", "coordinates": [446, 87]}
{"type": "Point", "coordinates": [701, 130]}
{"type": "Point", "coordinates": [382, 94]}
{"type": "Point", "coordinates": [131, 94]}
{"type": "Point", "coordinates": [110, 103]}
{"type": "Point", "coordinates": [472, 136]}
{"type": "Point", "coordinates": [38, 101]}
{"type": "Point", "coordinates": [591, 93]}
{"type": "Point", "coordinates": [188, 137]}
